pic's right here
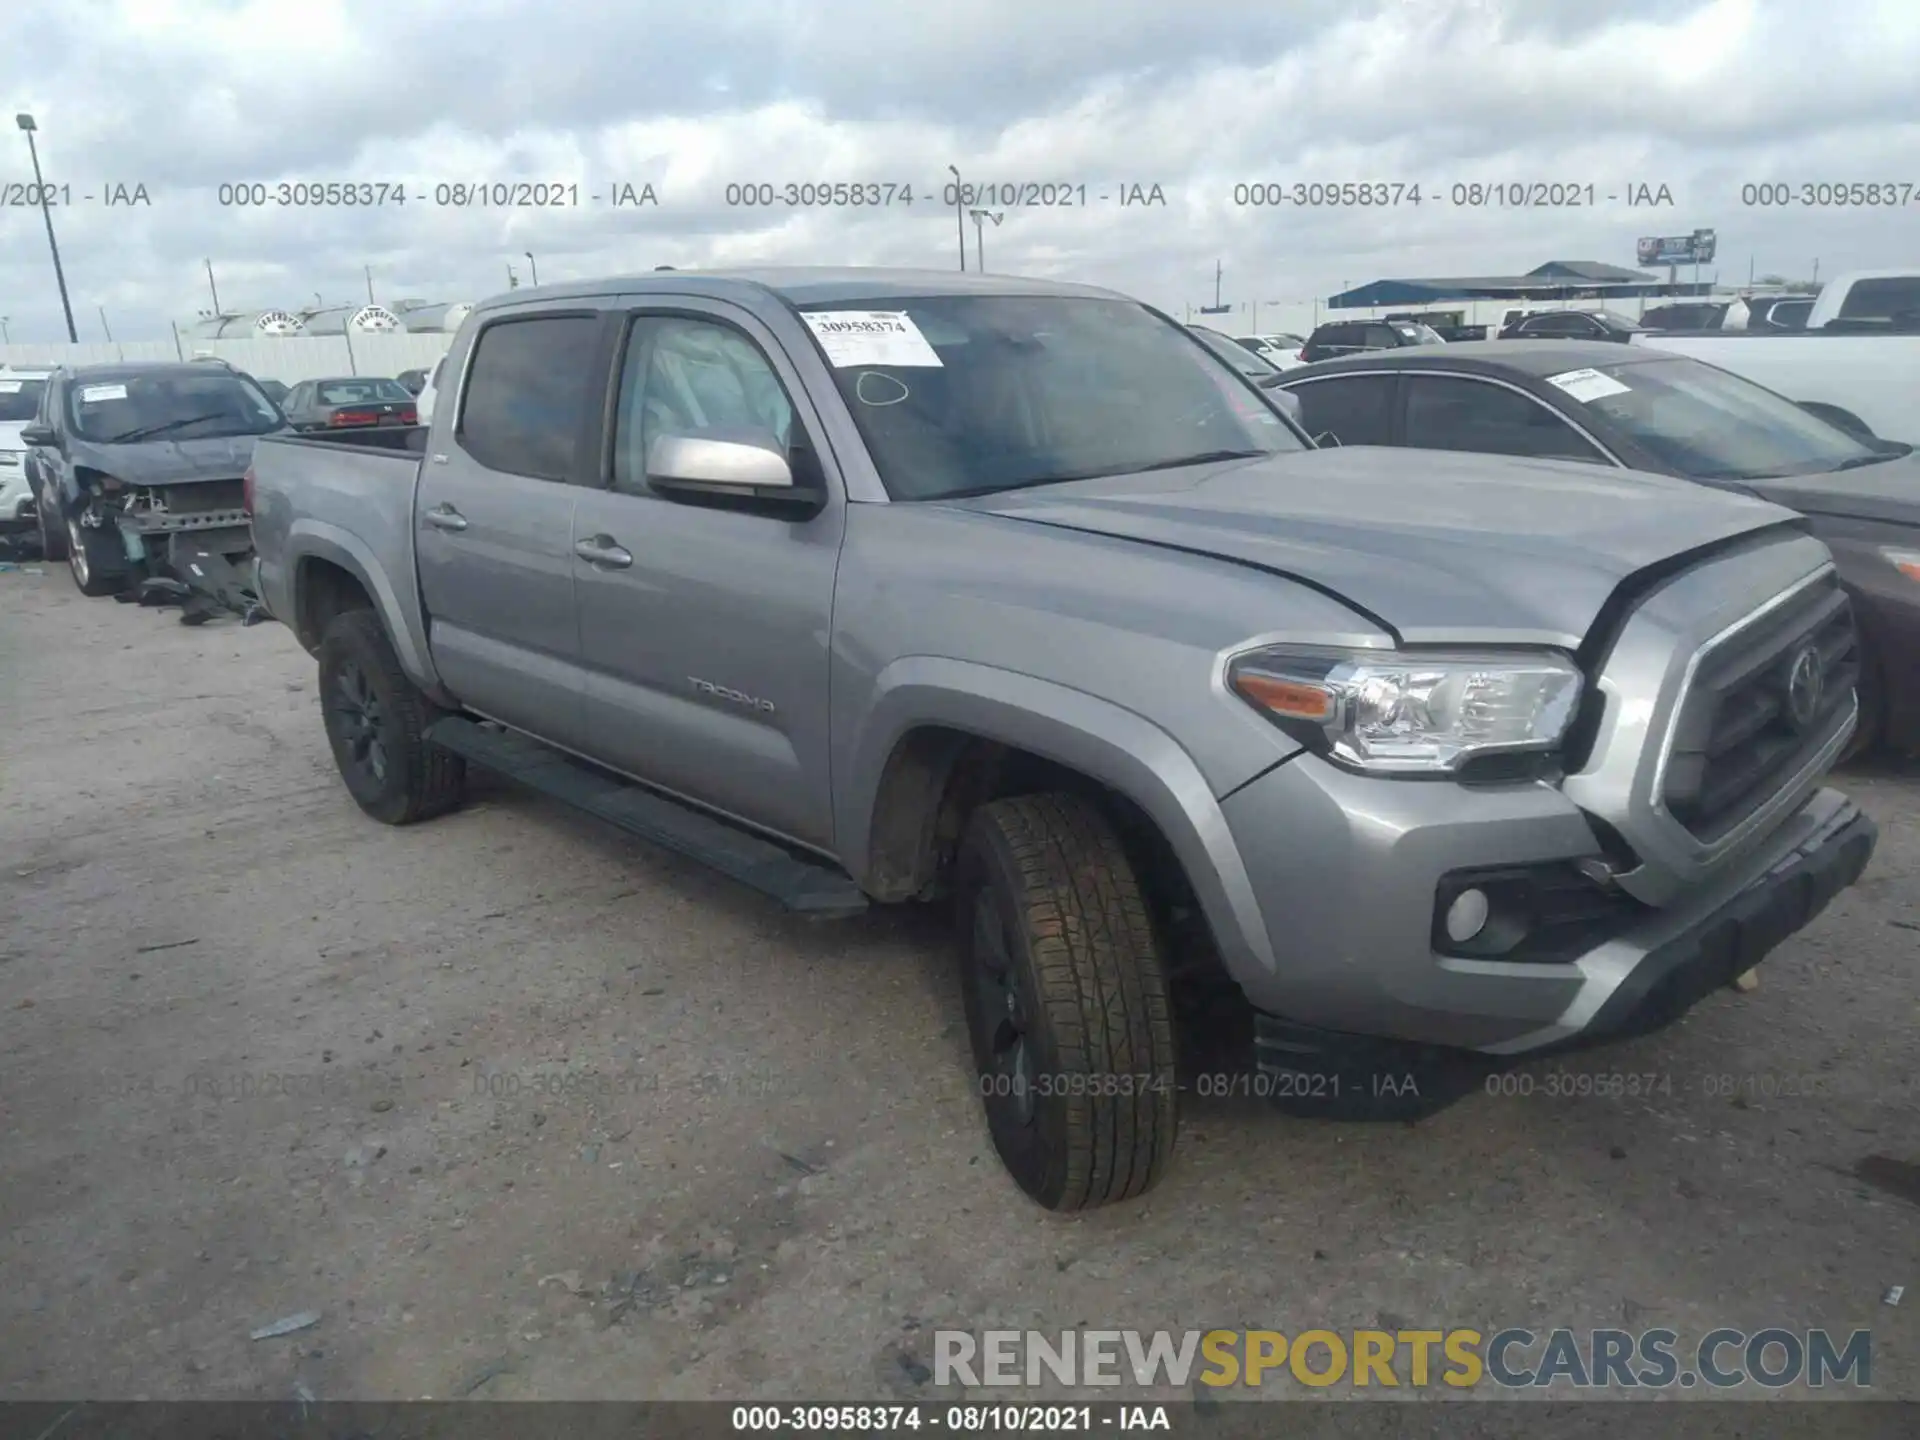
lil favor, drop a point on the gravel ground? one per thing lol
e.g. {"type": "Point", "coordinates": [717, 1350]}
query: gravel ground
{"type": "Point", "coordinates": [260, 1056]}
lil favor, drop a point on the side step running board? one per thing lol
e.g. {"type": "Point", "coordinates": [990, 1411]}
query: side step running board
{"type": "Point", "coordinates": [804, 886]}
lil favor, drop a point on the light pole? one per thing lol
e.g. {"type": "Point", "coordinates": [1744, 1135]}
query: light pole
{"type": "Point", "coordinates": [369, 270]}
{"type": "Point", "coordinates": [215, 289]}
{"type": "Point", "coordinates": [27, 127]}
{"type": "Point", "coordinates": [6, 330]}
{"type": "Point", "coordinates": [533, 270]}
{"type": "Point", "coordinates": [959, 215]}
{"type": "Point", "coordinates": [103, 324]}
{"type": "Point", "coordinates": [980, 235]}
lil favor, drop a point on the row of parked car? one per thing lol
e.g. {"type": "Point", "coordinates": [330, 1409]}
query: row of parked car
{"type": "Point", "coordinates": [132, 473]}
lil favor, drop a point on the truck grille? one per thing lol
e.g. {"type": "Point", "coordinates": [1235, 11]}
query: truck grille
{"type": "Point", "coordinates": [1762, 702]}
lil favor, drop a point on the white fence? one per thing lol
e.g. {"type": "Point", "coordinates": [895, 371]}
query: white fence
{"type": "Point", "coordinates": [289, 360]}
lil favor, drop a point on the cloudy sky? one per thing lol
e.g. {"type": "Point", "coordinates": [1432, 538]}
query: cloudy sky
{"type": "Point", "coordinates": [1195, 96]}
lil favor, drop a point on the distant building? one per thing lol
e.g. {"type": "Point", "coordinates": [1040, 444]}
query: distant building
{"type": "Point", "coordinates": [246, 325]}
{"type": "Point", "coordinates": [1556, 280]}
{"type": "Point", "coordinates": [357, 319]}
{"type": "Point", "coordinates": [424, 317]}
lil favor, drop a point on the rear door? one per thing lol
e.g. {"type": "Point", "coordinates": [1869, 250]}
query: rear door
{"type": "Point", "coordinates": [494, 519]}
{"type": "Point", "coordinates": [1459, 412]}
{"type": "Point", "coordinates": [704, 626]}
{"type": "Point", "coordinates": [1352, 409]}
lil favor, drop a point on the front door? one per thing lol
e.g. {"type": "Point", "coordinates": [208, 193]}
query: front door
{"type": "Point", "coordinates": [705, 625]}
{"type": "Point", "coordinates": [495, 522]}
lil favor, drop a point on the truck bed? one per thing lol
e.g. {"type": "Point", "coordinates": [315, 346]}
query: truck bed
{"type": "Point", "coordinates": [1865, 375]}
{"type": "Point", "coordinates": [349, 499]}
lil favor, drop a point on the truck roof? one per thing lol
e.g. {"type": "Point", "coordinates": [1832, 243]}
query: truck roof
{"type": "Point", "coordinates": [802, 285]}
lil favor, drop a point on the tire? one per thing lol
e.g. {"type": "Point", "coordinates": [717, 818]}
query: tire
{"type": "Point", "coordinates": [97, 565]}
{"type": "Point", "coordinates": [1065, 990]}
{"type": "Point", "coordinates": [1868, 729]}
{"type": "Point", "coordinates": [53, 536]}
{"type": "Point", "coordinates": [375, 720]}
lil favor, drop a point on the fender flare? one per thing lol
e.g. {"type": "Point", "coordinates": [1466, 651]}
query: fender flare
{"type": "Point", "coordinates": [310, 539]}
{"type": "Point", "coordinates": [1112, 745]}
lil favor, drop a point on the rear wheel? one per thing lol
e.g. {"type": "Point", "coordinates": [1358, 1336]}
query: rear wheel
{"type": "Point", "coordinates": [97, 563]}
{"type": "Point", "coordinates": [1867, 731]}
{"type": "Point", "coordinates": [53, 535]}
{"type": "Point", "coordinates": [376, 720]}
{"type": "Point", "coordinates": [1067, 1003]}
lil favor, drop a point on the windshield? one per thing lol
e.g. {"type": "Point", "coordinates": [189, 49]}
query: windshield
{"type": "Point", "coordinates": [361, 392]}
{"type": "Point", "coordinates": [200, 405]}
{"type": "Point", "coordinates": [19, 399]}
{"type": "Point", "coordinates": [1710, 425]}
{"type": "Point", "coordinates": [968, 394]}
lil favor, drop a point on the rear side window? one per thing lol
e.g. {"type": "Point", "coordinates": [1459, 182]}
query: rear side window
{"type": "Point", "coordinates": [1458, 414]}
{"type": "Point", "coordinates": [528, 386]}
{"type": "Point", "coordinates": [1881, 299]}
{"type": "Point", "coordinates": [1355, 411]}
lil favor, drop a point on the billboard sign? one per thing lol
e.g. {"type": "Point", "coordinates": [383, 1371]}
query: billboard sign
{"type": "Point", "coordinates": [1694, 249]}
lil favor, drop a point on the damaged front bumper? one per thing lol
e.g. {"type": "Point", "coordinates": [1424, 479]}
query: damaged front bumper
{"type": "Point", "coordinates": [200, 559]}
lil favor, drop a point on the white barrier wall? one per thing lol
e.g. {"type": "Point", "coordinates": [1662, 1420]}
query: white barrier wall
{"type": "Point", "coordinates": [289, 360]}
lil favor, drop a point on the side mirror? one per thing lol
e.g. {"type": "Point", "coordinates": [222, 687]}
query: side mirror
{"type": "Point", "coordinates": [1290, 403]}
{"type": "Point", "coordinates": [37, 434]}
{"type": "Point", "coordinates": [725, 467]}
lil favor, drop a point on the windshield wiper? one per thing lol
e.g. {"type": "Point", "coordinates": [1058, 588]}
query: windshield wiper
{"type": "Point", "coordinates": [1209, 457]}
{"type": "Point", "coordinates": [1859, 461]}
{"type": "Point", "coordinates": [147, 432]}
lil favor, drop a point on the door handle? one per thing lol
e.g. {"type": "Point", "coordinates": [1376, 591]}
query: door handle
{"type": "Point", "coordinates": [602, 551]}
{"type": "Point", "coordinates": [445, 517]}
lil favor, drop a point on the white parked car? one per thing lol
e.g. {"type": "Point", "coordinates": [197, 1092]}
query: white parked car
{"type": "Point", "coordinates": [423, 402]}
{"type": "Point", "coordinates": [1282, 351]}
{"type": "Point", "coordinates": [20, 392]}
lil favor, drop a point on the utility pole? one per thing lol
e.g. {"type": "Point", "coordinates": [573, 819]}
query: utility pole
{"type": "Point", "coordinates": [532, 269]}
{"type": "Point", "coordinates": [959, 215]}
{"type": "Point", "coordinates": [369, 270]}
{"type": "Point", "coordinates": [217, 311]}
{"type": "Point", "coordinates": [979, 236]}
{"type": "Point", "coordinates": [103, 324]}
{"type": "Point", "coordinates": [28, 127]}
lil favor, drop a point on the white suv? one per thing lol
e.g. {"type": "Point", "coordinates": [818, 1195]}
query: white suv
{"type": "Point", "coordinates": [20, 392]}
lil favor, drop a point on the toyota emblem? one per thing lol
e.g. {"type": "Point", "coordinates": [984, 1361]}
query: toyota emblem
{"type": "Point", "coordinates": [1806, 683]}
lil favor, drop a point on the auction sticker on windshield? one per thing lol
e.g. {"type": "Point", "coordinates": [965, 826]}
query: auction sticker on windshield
{"type": "Point", "coordinates": [1586, 386]}
{"type": "Point", "coordinates": [89, 394]}
{"type": "Point", "coordinates": [870, 337]}
{"type": "Point", "coordinates": [10, 387]}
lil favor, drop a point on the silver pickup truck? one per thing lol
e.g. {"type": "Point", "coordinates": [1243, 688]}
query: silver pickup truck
{"type": "Point", "coordinates": [870, 586]}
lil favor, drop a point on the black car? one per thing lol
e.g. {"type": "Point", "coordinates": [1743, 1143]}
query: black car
{"type": "Point", "coordinates": [349, 401]}
{"type": "Point", "coordinates": [1351, 337]}
{"type": "Point", "coordinates": [138, 475]}
{"type": "Point", "coordinates": [1645, 409]}
{"type": "Point", "coordinates": [274, 389]}
{"type": "Point", "coordinates": [1573, 325]}
{"type": "Point", "coordinates": [1779, 313]}
{"type": "Point", "coordinates": [413, 380]}
{"type": "Point", "coordinates": [1690, 316]}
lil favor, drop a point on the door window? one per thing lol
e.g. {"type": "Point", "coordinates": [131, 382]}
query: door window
{"type": "Point", "coordinates": [700, 379]}
{"type": "Point", "coordinates": [528, 387]}
{"type": "Point", "coordinates": [1355, 411]}
{"type": "Point", "coordinates": [1459, 414]}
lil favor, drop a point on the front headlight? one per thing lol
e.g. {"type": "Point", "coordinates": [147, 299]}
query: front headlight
{"type": "Point", "coordinates": [1907, 562]}
{"type": "Point", "coordinates": [1411, 713]}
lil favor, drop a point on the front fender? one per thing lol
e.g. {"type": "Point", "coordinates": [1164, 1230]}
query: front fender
{"type": "Point", "coordinates": [1114, 746]}
{"type": "Point", "coordinates": [309, 539]}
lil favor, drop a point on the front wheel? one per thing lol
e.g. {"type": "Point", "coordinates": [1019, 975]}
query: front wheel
{"type": "Point", "coordinates": [96, 562]}
{"type": "Point", "coordinates": [376, 720]}
{"type": "Point", "coordinates": [1067, 1003]}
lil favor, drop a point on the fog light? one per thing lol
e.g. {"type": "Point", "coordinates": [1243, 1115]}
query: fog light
{"type": "Point", "coordinates": [1467, 916]}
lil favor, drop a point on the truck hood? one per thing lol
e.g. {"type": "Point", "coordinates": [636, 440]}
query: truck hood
{"type": "Point", "coordinates": [1888, 492]}
{"type": "Point", "coordinates": [169, 462]}
{"type": "Point", "coordinates": [1434, 546]}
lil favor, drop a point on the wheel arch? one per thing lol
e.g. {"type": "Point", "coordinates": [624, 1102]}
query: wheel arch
{"type": "Point", "coordinates": [944, 735]}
